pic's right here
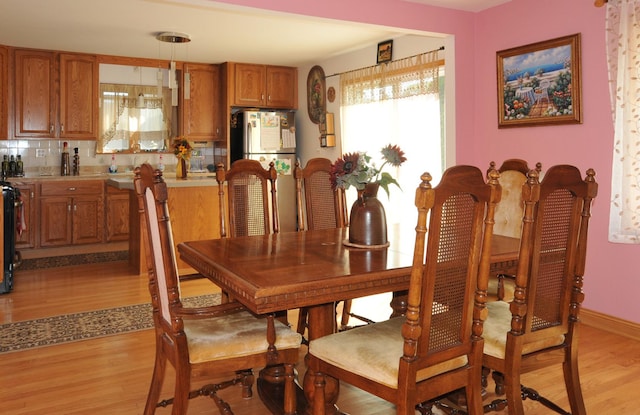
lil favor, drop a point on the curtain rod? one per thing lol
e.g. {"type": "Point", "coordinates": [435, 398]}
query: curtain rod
{"type": "Point", "coordinates": [373, 66]}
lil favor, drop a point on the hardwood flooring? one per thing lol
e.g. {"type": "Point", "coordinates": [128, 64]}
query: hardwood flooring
{"type": "Point", "coordinates": [110, 375]}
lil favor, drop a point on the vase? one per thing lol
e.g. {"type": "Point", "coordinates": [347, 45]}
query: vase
{"type": "Point", "coordinates": [368, 221]}
{"type": "Point", "coordinates": [181, 169]}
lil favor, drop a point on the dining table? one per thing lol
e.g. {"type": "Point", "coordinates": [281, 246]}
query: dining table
{"type": "Point", "coordinates": [313, 269]}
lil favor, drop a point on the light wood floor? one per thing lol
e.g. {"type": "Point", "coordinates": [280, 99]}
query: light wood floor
{"type": "Point", "coordinates": [110, 376]}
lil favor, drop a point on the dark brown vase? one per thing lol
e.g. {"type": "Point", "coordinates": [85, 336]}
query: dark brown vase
{"type": "Point", "coordinates": [368, 221]}
{"type": "Point", "coordinates": [181, 169]}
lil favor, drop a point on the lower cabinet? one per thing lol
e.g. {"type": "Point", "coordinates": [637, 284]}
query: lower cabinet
{"type": "Point", "coordinates": [117, 213]}
{"type": "Point", "coordinates": [71, 213]}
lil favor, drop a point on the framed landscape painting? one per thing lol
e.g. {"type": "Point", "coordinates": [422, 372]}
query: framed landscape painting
{"type": "Point", "coordinates": [539, 84]}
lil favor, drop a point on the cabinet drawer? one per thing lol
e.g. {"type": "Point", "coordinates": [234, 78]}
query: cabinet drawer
{"type": "Point", "coordinates": [70, 188]}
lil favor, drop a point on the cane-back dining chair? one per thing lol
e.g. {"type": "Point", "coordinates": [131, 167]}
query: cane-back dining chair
{"type": "Point", "coordinates": [250, 197]}
{"type": "Point", "coordinates": [204, 341]}
{"type": "Point", "coordinates": [319, 206]}
{"type": "Point", "coordinates": [437, 347]}
{"type": "Point", "coordinates": [540, 326]}
{"type": "Point", "coordinates": [508, 221]}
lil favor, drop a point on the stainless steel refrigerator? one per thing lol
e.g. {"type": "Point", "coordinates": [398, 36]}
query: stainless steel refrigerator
{"type": "Point", "coordinates": [269, 136]}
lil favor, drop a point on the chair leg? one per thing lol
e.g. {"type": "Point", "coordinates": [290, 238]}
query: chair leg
{"type": "Point", "coordinates": [346, 312]}
{"type": "Point", "coordinates": [572, 383]}
{"type": "Point", "coordinates": [290, 403]}
{"type": "Point", "coordinates": [513, 394]}
{"type": "Point", "coordinates": [181, 391]}
{"type": "Point", "coordinates": [318, 395]}
{"type": "Point", "coordinates": [246, 379]}
{"type": "Point", "coordinates": [498, 379]}
{"type": "Point", "coordinates": [156, 386]}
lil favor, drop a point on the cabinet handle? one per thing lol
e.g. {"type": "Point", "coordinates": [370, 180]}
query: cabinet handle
{"type": "Point", "coordinates": [72, 189]}
{"type": "Point", "coordinates": [51, 129]}
{"type": "Point", "coordinates": [75, 208]}
{"type": "Point", "coordinates": [61, 128]}
{"type": "Point", "coordinates": [269, 99]}
{"type": "Point", "coordinates": [262, 97]}
{"type": "Point", "coordinates": [69, 207]}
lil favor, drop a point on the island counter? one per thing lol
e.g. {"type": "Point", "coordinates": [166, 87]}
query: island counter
{"type": "Point", "coordinates": [193, 209]}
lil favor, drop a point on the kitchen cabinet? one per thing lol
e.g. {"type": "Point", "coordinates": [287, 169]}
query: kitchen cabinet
{"type": "Point", "coordinates": [56, 95]}
{"type": "Point", "coordinates": [71, 213]}
{"type": "Point", "coordinates": [117, 214]}
{"type": "Point", "coordinates": [28, 194]}
{"type": "Point", "coordinates": [4, 92]}
{"type": "Point", "coordinates": [201, 103]}
{"type": "Point", "coordinates": [262, 86]}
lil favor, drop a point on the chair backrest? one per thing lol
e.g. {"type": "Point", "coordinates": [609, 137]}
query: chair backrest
{"type": "Point", "coordinates": [448, 283]}
{"type": "Point", "coordinates": [319, 205]}
{"type": "Point", "coordinates": [164, 285]}
{"type": "Point", "coordinates": [508, 217]}
{"type": "Point", "coordinates": [251, 199]}
{"type": "Point", "coordinates": [552, 257]}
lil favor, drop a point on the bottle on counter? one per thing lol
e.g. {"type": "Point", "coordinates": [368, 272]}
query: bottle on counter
{"type": "Point", "coordinates": [12, 166]}
{"type": "Point", "coordinates": [19, 166]}
{"type": "Point", "coordinates": [113, 168]}
{"type": "Point", "coordinates": [5, 166]}
{"type": "Point", "coordinates": [161, 164]}
{"type": "Point", "coordinates": [65, 167]}
{"type": "Point", "coordinates": [76, 162]}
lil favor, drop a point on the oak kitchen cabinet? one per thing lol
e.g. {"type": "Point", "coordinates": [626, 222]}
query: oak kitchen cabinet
{"type": "Point", "coordinates": [4, 92]}
{"type": "Point", "coordinates": [262, 86]}
{"type": "Point", "coordinates": [28, 196]}
{"type": "Point", "coordinates": [44, 111]}
{"type": "Point", "coordinates": [117, 214]}
{"type": "Point", "coordinates": [201, 103]}
{"type": "Point", "coordinates": [71, 212]}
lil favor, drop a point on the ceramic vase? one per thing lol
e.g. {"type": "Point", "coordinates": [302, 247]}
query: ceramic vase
{"type": "Point", "coordinates": [368, 221]}
{"type": "Point", "coordinates": [181, 169]}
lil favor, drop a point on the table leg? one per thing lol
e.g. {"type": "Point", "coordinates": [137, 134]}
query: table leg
{"type": "Point", "coordinates": [399, 303]}
{"type": "Point", "coordinates": [322, 321]}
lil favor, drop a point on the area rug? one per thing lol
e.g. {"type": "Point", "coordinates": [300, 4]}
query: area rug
{"type": "Point", "coordinates": [66, 328]}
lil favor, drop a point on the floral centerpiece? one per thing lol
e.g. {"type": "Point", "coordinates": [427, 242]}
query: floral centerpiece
{"type": "Point", "coordinates": [182, 150]}
{"type": "Point", "coordinates": [357, 170]}
{"type": "Point", "coordinates": [367, 221]}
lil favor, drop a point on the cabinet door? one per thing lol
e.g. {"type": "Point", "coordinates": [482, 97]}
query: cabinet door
{"type": "Point", "coordinates": [78, 96]}
{"type": "Point", "coordinates": [250, 85]}
{"type": "Point", "coordinates": [34, 103]}
{"type": "Point", "coordinates": [28, 237]}
{"type": "Point", "coordinates": [4, 92]}
{"type": "Point", "coordinates": [282, 87]}
{"type": "Point", "coordinates": [55, 221]}
{"type": "Point", "coordinates": [202, 115]}
{"type": "Point", "coordinates": [117, 212]}
{"type": "Point", "coordinates": [88, 219]}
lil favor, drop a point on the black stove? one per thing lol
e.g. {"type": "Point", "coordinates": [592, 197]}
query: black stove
{"type": "Point", "coordinates": [11, 196]}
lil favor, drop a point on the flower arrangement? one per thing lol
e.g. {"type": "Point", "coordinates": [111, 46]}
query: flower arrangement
{"type": "Point", "coordinates": [356, 169]}
{"type": "Point", "coordinates": [182, 148]}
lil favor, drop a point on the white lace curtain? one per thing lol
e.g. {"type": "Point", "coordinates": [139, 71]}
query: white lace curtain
{"type": "Point", "coordinates": [396, 103]}
{"type": "Point", "coordinates": [622, 34]}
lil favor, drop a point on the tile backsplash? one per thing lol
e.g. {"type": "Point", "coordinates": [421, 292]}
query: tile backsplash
{"type": "Point", "coordinates": [44, 156]}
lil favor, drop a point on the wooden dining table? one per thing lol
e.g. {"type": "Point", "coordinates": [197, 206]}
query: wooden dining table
{"type": "Point", "coordinates": [314, 269]}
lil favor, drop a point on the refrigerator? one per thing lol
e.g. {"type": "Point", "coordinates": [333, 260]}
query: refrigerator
{"type": "Point", "coordinates": [268, 136]}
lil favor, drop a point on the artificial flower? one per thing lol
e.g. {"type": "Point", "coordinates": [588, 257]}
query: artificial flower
{"type": "Point", "coordinates": [357, 170]}
{"type": "Point", "coordinates": [182, 148]}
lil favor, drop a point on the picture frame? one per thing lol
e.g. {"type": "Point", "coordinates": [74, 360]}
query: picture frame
{"type": "Point", "coordinates": [540, 83]}
{"type": "Point", "coordinates": [385, 51]}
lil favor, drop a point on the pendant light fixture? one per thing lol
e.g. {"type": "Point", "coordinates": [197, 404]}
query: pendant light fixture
{"type": "Point", "coordinates": [140, 100]}
{"type": "Point", "coordinates": [173, 38]}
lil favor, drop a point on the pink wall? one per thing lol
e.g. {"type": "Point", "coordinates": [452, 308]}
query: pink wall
{"type": "Point", "coordinates": [610, 280]}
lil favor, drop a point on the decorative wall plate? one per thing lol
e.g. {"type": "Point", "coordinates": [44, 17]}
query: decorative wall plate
{"type": "Point", "coordinates": [316, 104]}
{"type": "Point", "coordinates": [331, 94]}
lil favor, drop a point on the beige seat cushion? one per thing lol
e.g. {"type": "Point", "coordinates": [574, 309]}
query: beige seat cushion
{"type": "Point", "coordinates": [373, 351]}
{"type": "Point", "coordinates": [234, 335]}
{"type": "Point", "coordinates": [498, 324]}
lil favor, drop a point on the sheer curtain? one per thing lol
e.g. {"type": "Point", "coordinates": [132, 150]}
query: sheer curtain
{"type": "Point", "coordinates": [396, 103]}
{"type": "Point", "coordinates": [623, 31]}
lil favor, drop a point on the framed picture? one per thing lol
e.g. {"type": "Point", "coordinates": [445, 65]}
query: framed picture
{"type": "Point", "coordinates": [539, 84]}
{"type": "Point", "coordinates": [385, 50]}
{"type": "Point", "coordinates": [316, 104]}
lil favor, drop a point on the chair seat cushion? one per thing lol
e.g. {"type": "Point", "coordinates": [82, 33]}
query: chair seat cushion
{"type": "Point", "coordinates": [373, 351]}
{"type": "Point", "coordinates": [498, 324]}
{"type": "Point", "coordinates": [234, 335]}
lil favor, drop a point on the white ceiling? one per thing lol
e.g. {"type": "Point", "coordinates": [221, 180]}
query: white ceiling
{"type": "Point", "coordinates": [219, 32]}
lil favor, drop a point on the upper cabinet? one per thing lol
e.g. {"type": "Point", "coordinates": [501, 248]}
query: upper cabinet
{"type": "Point", "coordinates": [4, 92]}
{"type": "Point", "coordinates": [262, 86]}
{"type": "Point", "coordinates": [42, 111]}
{"type": "Point", "coordinates": [201, 109]}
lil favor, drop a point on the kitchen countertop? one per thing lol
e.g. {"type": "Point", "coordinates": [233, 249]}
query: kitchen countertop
{"type": "Point", "coordinates": [192, 180]}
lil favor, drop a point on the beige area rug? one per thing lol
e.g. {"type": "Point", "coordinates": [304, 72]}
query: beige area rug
{"type": "Point", "coordinates": [66, 328]}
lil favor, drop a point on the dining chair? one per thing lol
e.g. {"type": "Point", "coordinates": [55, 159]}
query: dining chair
{"type": "Point", "coordinates": [539, 327]}
{"type": "Point", "coordinates": [508, 221]}
{"type": "Point", "coordinates": [250, 197]}
{"type": "Point", "coordinates": [204, 341]}
{"type": "Point", "coordinates": [542, 92]}
{"type": "Point", "coordinates": [437, 347]}
{"type": "Point", "coordinates": [319, 206]}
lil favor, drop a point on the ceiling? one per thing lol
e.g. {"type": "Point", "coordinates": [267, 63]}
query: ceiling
{"type": "Point", "coordinates": [219, 32]}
